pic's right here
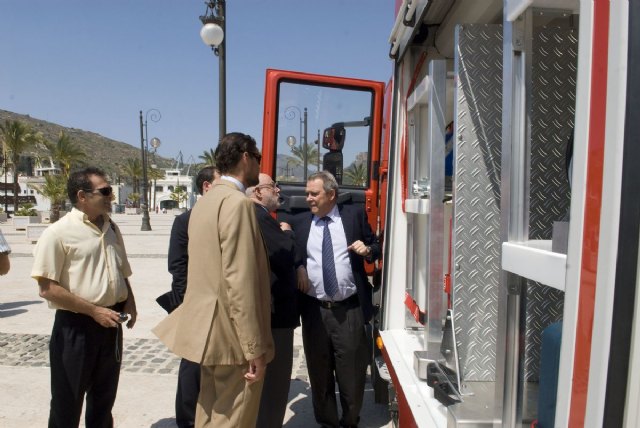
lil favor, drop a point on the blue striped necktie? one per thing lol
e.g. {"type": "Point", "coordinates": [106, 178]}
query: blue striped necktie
{"type": "Point", "coordinates": [329, 278]}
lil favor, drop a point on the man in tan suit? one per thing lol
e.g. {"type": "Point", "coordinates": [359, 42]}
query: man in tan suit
{"type": "Point", "coordinates": [224, 322]}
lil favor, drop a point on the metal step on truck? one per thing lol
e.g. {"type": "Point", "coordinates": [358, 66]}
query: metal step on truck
{"type": "Point", "coordinates": [499, 166]}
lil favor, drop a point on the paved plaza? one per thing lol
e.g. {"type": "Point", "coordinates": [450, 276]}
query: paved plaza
{"type": "Point", "coordinates": [149, 371]}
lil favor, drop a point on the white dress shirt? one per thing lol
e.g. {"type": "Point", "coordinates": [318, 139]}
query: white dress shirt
{"type": "Point", "coordinates": [344, 273]}
{"type": "Point", "coordinates": [235, 181]}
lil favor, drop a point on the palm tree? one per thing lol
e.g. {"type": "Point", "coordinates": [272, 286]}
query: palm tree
{"type": "Point", "coordinates": [208, 157]}
{"type": "Point", "coordinates": [16, 139]}
{"type": "Point", "coordinates": [154, 174]}
{"type": "Point", "coordinates": [179, 195]}
{"type": "Point", "coordinates": [356, 174]}
{"type": "Point", "coordinates": [65, 153]}
{"type": "Point", "coordinates": [55, 189]}
{"type": "Point", "coordinates": [135, 199]}
{"type": "Point", "coordinates": [299, 153]}
{"type": "Point", "coordinates": [133, 171]}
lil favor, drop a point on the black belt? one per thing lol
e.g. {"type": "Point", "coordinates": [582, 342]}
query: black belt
{"type": "Point", "coordinates": [118, 307]}
{"type": "Point", "coordinates": [350, 301]}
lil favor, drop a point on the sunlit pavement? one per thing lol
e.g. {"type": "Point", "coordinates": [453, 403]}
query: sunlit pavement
{"type": "Point", "coordinates": [147, 383]}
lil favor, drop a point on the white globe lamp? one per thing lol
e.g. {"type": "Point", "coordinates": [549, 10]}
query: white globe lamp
{"type": "Point", "coordinates": [212, 34]}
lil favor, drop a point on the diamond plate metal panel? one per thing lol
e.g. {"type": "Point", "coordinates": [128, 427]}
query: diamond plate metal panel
{"type": "Point", "coordinates": [553, 108]}
{"type": "Point", "coordinates": [476, 235]}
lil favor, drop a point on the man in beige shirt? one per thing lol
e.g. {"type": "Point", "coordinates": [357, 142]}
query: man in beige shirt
{"type": "Point", "coordinates": [224, 322]}
{"type": "Point", "coordinates": [81, 267]}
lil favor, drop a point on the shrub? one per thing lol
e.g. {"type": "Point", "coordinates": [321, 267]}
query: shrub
{"type": "Point", "coordinates": [26, 210]}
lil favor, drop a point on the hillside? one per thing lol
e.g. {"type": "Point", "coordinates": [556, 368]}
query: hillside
{"type": "Point", "coordinates": [104, 152]}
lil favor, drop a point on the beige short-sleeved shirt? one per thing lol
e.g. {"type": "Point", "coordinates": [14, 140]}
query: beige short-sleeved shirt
{"type": "Point", "coordinates": [89, 262]}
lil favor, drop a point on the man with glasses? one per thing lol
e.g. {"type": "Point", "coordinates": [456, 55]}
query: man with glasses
{"type": "Point", "coordinates": [224, 322]}
{"type": "Point", "coordinates": [280, 243]}
{"type": "Point", "coordinates": [81, 267]}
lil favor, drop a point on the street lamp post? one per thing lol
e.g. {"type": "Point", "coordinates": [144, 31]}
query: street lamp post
{"type": "Point", "coordinates": [155, 143]}
{"type": "Point", "coordinates": [4, 167]}
{"type": "Point", "coordinates": [213, 35]}
{"type": "Point", "coordinates": [289, 113]}
{"type": "Point", "coordinates": [144, 148]}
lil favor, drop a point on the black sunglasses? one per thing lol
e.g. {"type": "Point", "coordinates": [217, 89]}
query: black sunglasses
{"type": "Point", "coordinates": [104, 191]}
{"type": "Point", "coordinates": [258, 156]}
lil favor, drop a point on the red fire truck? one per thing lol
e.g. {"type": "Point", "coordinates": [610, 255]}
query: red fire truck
{"type": "Point", "coordinates": [498, 166]}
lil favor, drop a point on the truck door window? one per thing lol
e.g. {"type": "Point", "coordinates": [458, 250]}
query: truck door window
{"type": "Point", "coordinates": [334, 126]}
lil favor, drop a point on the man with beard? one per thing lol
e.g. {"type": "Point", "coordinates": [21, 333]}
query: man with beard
{"type": "Point", "coordinates": [178, 260]}
{"type": "Point", "coordinates": [224, 322]}
{"type": "Point", "coordinates": [279, 239]}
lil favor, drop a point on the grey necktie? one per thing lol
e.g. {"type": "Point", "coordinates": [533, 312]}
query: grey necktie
{"type": "Point", "coordinates": [329, 278]}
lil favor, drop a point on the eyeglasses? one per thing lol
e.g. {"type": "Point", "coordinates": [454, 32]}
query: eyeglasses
{"type": "Point", "coordinates": [104, 191]}
{"type": "Point", "coordinates": [256, 155]}
{"type": "Point", "coordinates": [273, 185]}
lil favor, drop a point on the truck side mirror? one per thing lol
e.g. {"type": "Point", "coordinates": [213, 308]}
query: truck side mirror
{"type": "Point", "coordinates": [333, 138]}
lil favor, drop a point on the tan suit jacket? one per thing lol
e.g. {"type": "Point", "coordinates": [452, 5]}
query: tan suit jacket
{"type": "Point", "coordinates": [226, 314]}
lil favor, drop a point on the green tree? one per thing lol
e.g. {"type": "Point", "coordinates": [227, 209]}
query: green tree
{"type": "Point", "coordinates": [154, 174]}
{"type": "Point", "coordinates": [133, 171]}
{"type": "Point", "coordinates": [179, 195]}
{"type": "Point", "coordinates": [208, 157]}
{"type": "Point", "coordinates": [134, 198]}
{"type": "Point", "coordinates": [311, 151]}
{"type": "Point", "coordinates": [16, 139]}
{"type": "Point", "coordinates": [65, 153]}
{"type": "Point", "coordinates": [54, 188]}
{"type": "Point", "coordinates": [356, 174]}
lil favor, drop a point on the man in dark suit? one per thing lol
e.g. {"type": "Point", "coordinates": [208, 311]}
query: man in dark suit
{"type": "Point", "coordinates": [333, 243]}
{"type": "Point", "coordinates": [279, 239]}
{"type": "Point", "coordinates": [178, 259]}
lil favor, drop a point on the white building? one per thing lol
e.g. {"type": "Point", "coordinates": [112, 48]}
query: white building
{"type": "Point", "coordinates": [162, 190]}
{"type": "Point", "coordinates": [27, 194]}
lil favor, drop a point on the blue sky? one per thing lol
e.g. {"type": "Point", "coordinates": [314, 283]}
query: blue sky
{"type": "Point", "coordinates": [94, 64]}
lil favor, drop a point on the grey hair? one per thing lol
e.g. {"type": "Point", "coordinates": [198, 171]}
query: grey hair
{"type": "Point", "coordinates": [328, 180]}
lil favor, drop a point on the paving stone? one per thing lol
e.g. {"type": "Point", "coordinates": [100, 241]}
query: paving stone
{"type": "Point", "coordinates": [32, 350]}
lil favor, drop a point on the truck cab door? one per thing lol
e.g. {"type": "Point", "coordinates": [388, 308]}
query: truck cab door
{"type": "Point", "coordinates": [313, 123]}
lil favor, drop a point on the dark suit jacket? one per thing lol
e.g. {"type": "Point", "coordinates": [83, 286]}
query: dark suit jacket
{"type": "Point", "coordinates": [178, 260]}
{"type": "Point", "coordinates": [281, 252]}
{"type": "Point", "coordinates": [356, 228]}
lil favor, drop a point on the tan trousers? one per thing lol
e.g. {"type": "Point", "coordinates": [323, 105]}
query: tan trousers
{"type": "Point", "coordinates": [225, 399]}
